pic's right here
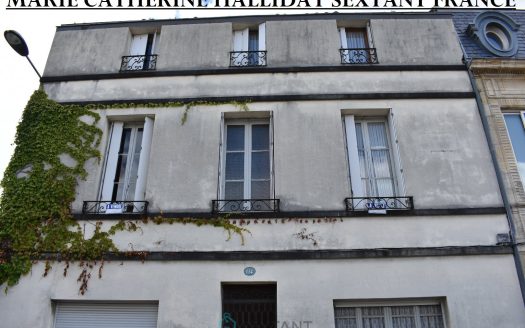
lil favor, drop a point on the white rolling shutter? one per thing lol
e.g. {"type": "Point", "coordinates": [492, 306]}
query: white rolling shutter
{"type": "Point", "coordinates": [105, 315]}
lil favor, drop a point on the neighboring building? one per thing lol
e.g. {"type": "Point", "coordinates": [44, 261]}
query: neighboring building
{"type": "Point", "coordinates": [494, 49]}
{"type": "Point", "coordinates": [365, 126]}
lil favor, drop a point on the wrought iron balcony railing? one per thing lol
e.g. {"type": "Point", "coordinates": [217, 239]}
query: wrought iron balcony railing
{"type": "Point", "coordinates": [358, 56]}
{"type": "Point", "coordinates": [245, 205]}
{"type": "Point", "coordinates": [138, 63]}
{"type": "Point", "coordinates": [115, 207]}
{"type": "Point", "coordinates": [379, 204]}
{"type": "Point", "coordinates": [247, 58]}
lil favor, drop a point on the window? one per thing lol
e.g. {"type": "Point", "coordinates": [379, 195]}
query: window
{"type": "Point", "coordinates": [496, 33]}
{"type": "Point", "coordinates": [424, 315]}
{"type": "Point", "coordinates": [246, 181]}
{"type": "Point", "coordinates": [124, 179]}
{"type": "Point", "coordinates": [355, 46]}
{"type": "Point", "coordinates": [106, 314]}
{"type": "Point", "coordinates": [373, 164]}
{"type": "Point", "coordinates": [142, 53]}
{"type": "Point", "coordinates": [372, 172]}
{"type": "Point", "coordinates": [247, 161]}
{"type": "Point", "coordinates": [249, 47]}
{"type": "Point", "coordinates": [249, 305]}
{"type": "Point", "coordinates": [516, 129]}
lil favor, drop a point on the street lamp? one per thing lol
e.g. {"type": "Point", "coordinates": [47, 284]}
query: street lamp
{"type": "Point", "coordinates": [17, 42]}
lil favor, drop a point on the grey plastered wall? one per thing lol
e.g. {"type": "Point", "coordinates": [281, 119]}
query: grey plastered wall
{"type": "Point", "coordinates": [87, 51]}
{"type": "Point", "coordinates": [195, 46]}
{"type": "Point", "coordinates": [416, 41]}
{"type": "Point", "coordinates": [445, 159]}
{"type": "Point", "coordinates": [302, 43]}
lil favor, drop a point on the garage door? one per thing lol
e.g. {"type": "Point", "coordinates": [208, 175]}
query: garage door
{"type": "Point", "coordinates": [106, 315]}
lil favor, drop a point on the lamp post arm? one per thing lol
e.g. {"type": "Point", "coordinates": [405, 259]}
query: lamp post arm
{"type": "Point", "coordinates": [30, 62]}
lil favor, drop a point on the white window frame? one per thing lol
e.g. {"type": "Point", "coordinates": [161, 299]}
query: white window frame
{"type": "Point", "coordinates": [349, 122]}
{"type": "Point", "coordinates": [247, 155]}
{"type": "Point", "coordinates": [387, 313]}
{"type": "Point", "coordinates": [112, 154]}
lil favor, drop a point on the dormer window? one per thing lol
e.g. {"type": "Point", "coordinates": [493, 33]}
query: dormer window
{"type": "Point", "coordinates": [496, 33]}
{"type": "Point", "coordinates": [249, 47]}
{"type": "Point", "coordinates": [356, 46]}
{"type": "Point", "coordinates": [141, 53]}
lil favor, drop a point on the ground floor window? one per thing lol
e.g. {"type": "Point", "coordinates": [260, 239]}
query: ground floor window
{"type": "Point", "coordinates": [249, 305]}
{"type": "Point", "coordinates": [424, 315]}
{"type": "Point", "coordinates": [106, 314]}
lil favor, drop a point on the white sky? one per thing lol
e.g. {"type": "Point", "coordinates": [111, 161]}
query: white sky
{"type": "Point", "coordinates": [17, 78]}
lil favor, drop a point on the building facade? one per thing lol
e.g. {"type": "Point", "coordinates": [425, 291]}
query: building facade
{"type": "Point", "coordinates": [494, 49]}
{"type": "Point", "coordinates": [350, 146]}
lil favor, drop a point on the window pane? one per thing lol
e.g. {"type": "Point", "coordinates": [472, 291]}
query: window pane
{"type": "Point", "coordinates": [253, 40]}
{"type": "Point", "coordinates": [517, 138]}
{"type": "Point", "coordinates": [119, 188]}
{"type": "Point", "coordinates": [235, 137]}
{"type": "Point", "coordinates": [373, 317]}
{"type": "Point", "coordinates": [345, 317]}
{"type": "Point", "coordinates": [261, 165]}
{"type": "Point", "coordinates": [235, 166]}
{"type": "Point", "coordinates": [234, 190]}
{"type": "Point", "coordinates": [381, 163]}
{"type": "Point", "coordinates": [432, 322]}
{"type": "Point", "coordinates": [403, 317]}
{"type": "Point", "coordinates": [130, 193]}
{"type": "Point", "coordinates": [260, 137]}
{"type": "Point", "coordinates": [431, 316]}
{"type": "Point", "coordinates": [260, 189]}
{"type": "Point", "coordinates": [345, 323]}
{"type": "Point", "coordinates": [355, 38]}
{"type": "Point", "coordinates": [377, 135]}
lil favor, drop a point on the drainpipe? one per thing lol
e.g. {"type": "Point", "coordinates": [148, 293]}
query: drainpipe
{"type": "Point", "coordinates": [504, 196]}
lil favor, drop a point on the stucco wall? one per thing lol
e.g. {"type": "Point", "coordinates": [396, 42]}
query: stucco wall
{"type": "Point", "coordinates": [309, 42]}
{"type": "Point", "coordinates": [445, 159]}
{"type": "Point", "coordinates": [303, 43]}
{"type": "Point", "coordinates": [195, 46]}
{"type": "Point", "coordinates": [345, 233]}
{"type": "Point", "coordinates": [479, 291]}
{"type": "Point", "coordinates": [416, 41]}
{"type": "Point", "coordinates": [264, 84]}
{"type": "Point", "coordinates": [88, 51]}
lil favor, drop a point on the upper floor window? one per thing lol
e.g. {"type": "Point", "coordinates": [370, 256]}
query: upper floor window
{"type": "Point", "coordinates": [249, 47]}
{"type": "Point", "coordinates": [356, 47]}
{"type": "Point", "coordinates": [400, 315]}
{"type": "Point", "coordinates": [372, 166]}
{"type": "Point", "coordinates": [496, 33]}
{"type": "Point", "coordinates": [126, 164]}
{"type": "Point", "coordinates": [142, 53]}
{"type": "Point", "coordinates": [515, 126]}
{"type": "Point", "coordinates": [246, 181]}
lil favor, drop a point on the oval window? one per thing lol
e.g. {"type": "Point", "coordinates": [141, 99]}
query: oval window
{"type": "Point", "coordinates": [497, 37]}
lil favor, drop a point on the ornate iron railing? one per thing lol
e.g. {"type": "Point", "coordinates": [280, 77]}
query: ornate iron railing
{"type": "Point", "coordinates": [378, 204]}
{"type": "Point", "coordinates": [247, 58]}
{"type": "Point", "coordinates": [358, 56]}
{"type": "Point", "coordinates": [115, 207]}
{"type": "Point", "coordinates": [245, 205]}
{"type": "Point", "coordinates": [138, 63]}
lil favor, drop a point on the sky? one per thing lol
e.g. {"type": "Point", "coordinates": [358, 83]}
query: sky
{"type": "Point", "coordinates": [17, 78]}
